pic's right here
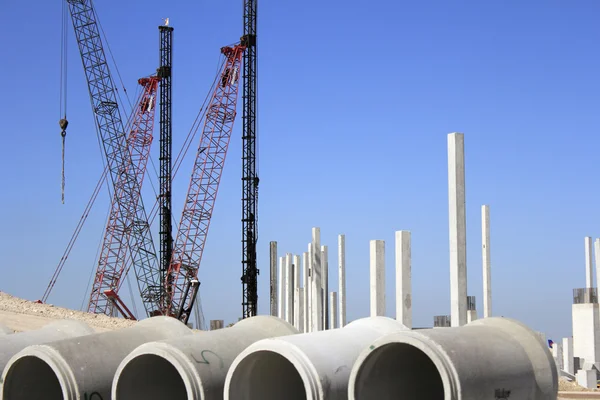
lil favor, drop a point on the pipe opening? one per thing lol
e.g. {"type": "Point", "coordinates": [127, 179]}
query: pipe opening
{"type": "Point", "coordinates": [149, 377]}
{"type": "Point", "coordinates": [266, 375]}
{"type": "Point", "coordinates": [31, 378]}
{"type": "Point", "coordinates": [398, 370]}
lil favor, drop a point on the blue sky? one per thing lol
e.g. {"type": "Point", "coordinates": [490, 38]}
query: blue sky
{"type": "Point", "coordinates": [355, 102]}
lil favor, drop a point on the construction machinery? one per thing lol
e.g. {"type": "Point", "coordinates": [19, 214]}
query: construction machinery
{"type": "Point", "coordinates": [249, 166]}
{"type": "Point", "coordinates": [128, 229]}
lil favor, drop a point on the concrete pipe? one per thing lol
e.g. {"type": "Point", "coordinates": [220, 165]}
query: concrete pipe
{"type": "Point", "coordinates": [5, 330]}
{"type": "Point", "coordinates": [80, 368]}
{"type": "Point", "coordinates": [57, 330]}
{"type": "Point", "coordinates": [491, 358]}
{"type": "Point", "coordinates": [192, 367]}
{"type": "Point", "coordinates": [310, 366]}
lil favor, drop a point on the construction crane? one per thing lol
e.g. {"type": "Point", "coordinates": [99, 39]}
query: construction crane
{"type": "Point", "coordinates": [181, 285]}
{"type": "Point", "coordinates": [249, 168]}
{"type": "Point", "coordinates": [112, 266]}
{"type": "Point", "coordinates": [166, 129]}
{"type": "Point", "coordinates": [132, 231]}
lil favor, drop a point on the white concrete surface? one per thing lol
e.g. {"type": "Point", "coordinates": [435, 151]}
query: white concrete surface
{"type": "Point", "coordinates": [281, 289]}
{"type": "Point", "coordinates": [587, 378]}
{"type": "Point", "coordinates": [589, 269]}
{"type": "Point", "coordinates": [317, 292]}
{"type": "Point", "coordinates": [471, 316]}
{"type": "Point", "coordinates": [586, 325]}
{"type": "Point", "coordinates": [342, 280]}
{"type": "Point", "coordinates": [457, 225]}
{"type": "Point", "coordinates": [487, 261]}
{"type": "Point", "coordinates": [311, 278]}
{"type": "Point", "coordinates": [333, 314]}
{"type": "Point", "coordinates": [377, 275]}
{"type": "Point", "coordinates": [297, 300]}
{"type": "Point", "coordinates": [403, 278]}
{"type": "Point", "coordinates": [597, 257]}
{"type": "Point", "coordinates": [289, 289]}
{"type": "Point", "coordinates": [557, 354]}
{"type": "Point", "coordinates": [273, 280]}
{"type": "Point", "coordinates": [306, 292]}
{"type": "Point", "coordinates": [299, 312]}
{"type": "Point", "coordinates": [568, 361]}
{"type": "Point", "coordinates": [325, 281]}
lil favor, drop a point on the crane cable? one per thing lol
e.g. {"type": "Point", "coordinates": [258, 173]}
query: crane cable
{"type": "Point", "coordinates": [63, 123]}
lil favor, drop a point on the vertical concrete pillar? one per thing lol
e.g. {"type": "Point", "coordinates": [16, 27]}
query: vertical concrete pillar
{"type": "Point", "coordinates": [589, 269]}
{"type": "Point", "coordinates": [306, 292]}
{"type": "Point", "coordinates": [317, 292]}
{"type": "Point", "coordinates": [597, 254]}
{"type": "Point", "coordinates": [333, 301]}
{"type": "Point", "coordinates": [457, 224]}
{"type": "Point", "coordinates": [403, 279]}
{"type": "Point", "coordinates": [557, 354]}
{"type": "Point", "coordinates": [342, 280]}
{"type": "Point", "coordinates": [377, 269]}
{"type": "Point", "coordinates": [299, 313]}
{"type": "Point", "coordinates": [568, 361]}
{"type": "Point", "coordinates": [273, 265]}
{"type": "Point", "coordinates": [297, 300]}
{"type": "Point", "coordinates": [311, 278]}
{"type": "Point", "coordinates": [289, 289]}
{"type": "Point", "coordinates": [586, 325]}
{"type": "Point", "coordinates": [281, 291]}
{"type": "Point", "coordinates": [325, 276]}
{"type": "Point", "coordinates": [486, 255]}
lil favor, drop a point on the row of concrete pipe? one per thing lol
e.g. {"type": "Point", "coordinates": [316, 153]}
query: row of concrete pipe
{"type": "Point", "coordinates": [266, 358]}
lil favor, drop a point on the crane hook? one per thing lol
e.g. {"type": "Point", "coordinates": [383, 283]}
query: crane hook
{"type": "Point", "coordinates": [63, 123]}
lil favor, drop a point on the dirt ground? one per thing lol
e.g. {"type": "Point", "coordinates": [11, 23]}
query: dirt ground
{"type": "Point", "coordinates": [22, 315]}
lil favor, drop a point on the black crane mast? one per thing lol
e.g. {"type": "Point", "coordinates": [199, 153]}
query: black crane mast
{"type": "Point", "coordinates": [249, 168]}
{"type": "Point", "coordinates": [164, 72]}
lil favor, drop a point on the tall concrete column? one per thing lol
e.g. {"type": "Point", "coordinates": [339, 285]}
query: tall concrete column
{"type": "Point", "coordinates": [457, 225]}
{"type": "Point", "coordinates": [342, 280]}
{"type": "Point", "coordinates": [311, 278]}
{"type": "Point", "coordinates": [325, 276]}
{"type": "Point", "coordinates": [403, 279]}
{"type": "Point", "coordinates": [281, 289]}
{"type": "Point", "coordinates": [487, 266]}
{"type": "Point", "coordinates": [273, 292]}
{"type": "Point", "coordinates": [589, 269]}
{"type": "Point", "coordinates": [317, 292]}
{"type": "Point", "coordinates": [568, 360]}
{"type": "Point", "coordinates": [377, 269]}
{"type": "Point", "coordinates": [306, 294]}
{"type": "Point", "coordinates": [299, 312]}
{"type": "Point", "coordinates": [297, 300]}
{"type": "Point", "coordinates": [289, 289]}
{"type": "Point", "coordinates": [597, 253]}
{"type": "Point", "coordinates": [333, 301]}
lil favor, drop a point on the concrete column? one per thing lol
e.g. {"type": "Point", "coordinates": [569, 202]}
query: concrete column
{"type": "Point", "coordinates": [299, 312]}
{"type": "Point", "coordinates": [306, 292]}
{"type": "Point", "coordinates": [589, 269]}
{"type": "Point", "coordinates": [403, 279]}
{"type": "Point", "coordinates": [333, 301]}
{"type": "Point", "coordinates": [471, 316]}
{"type": "Point", "coordinates": [487, 267]}
{"type": "Point", "coordinates": [568, 361]}
{"type": "Point", "coordinates": [342, 280]}
{"type": "Point", "coordinates": [377, 267]}
{"type": "Point", "coordinates": [317, 292]}
{"type": "Point", "coordinates": [557, 354]}
{"type": "Point", "coordinates": [325, 281]}
{"type": "Point", "coordinates": [297, 300]}
{"type": "Point", "coordinates": [311, 278]}
{"type": "Point", "coordinates": [597, 254]}
{"type": "Point", "coordinates": [281, 291]}
{"type": "Point", "coordinates": [586, 341]}
{"type": "Point", "coordinates": [273, 292]}
{"type": "Point", "coordinates": [289, 289]}
{"type": "Point", "coordinates": [457, 224]}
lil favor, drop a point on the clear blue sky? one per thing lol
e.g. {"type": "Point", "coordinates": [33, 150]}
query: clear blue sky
{"type": "Point", "coordinates": [356, 100]}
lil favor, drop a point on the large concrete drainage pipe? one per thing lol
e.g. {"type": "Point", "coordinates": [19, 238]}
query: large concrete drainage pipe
{"type": "Point", "coordinates": [492, 358]}
{"type": "Point", "coordinates": [192, 367]}
{"type": "Point", "coordinates": [310, 366]}
{"type": "Point", "coordinates": [83, 367]}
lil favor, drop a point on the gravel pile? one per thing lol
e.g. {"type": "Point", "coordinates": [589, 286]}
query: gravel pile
{"type": "Point", "coordinates": [567, 386]}
{"type": "Point", "coordinates": [15, 305]}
